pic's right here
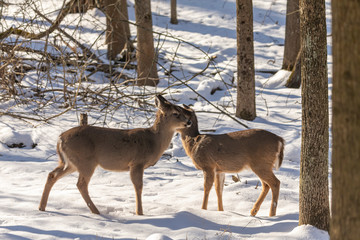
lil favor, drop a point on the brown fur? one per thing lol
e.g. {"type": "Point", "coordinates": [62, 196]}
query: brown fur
{"type": "Point", "coordinates": [84, 148]}
{"type": "Point", "coordinates": [256, 149]}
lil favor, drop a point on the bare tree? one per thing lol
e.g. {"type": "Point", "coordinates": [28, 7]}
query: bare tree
{"type": "Point", "coordinates": [117, 24]}
{"type": "Point", "coordinates": [81, 6]}
{"type": "Point", "coordinates": [173, 17]}
{"type": "Point", "coordinates": [245, 108]}
{"type": "Point", "coordinates": [125, 16]}
{"type": "Point", "coordinates": [294, 80]}
{"type": "Point", "coordinates": [292, 59]}
{"type": "Point", "coordinates": [292, 34]}
{"type": "Point", "coordinates": [345, 221]}
{"type": "Point", "coordinates": [117, 28]}
{"type": "Point", "coordinates": [314, 189]}
{"type": "Point", "coordinates": [145, 52]}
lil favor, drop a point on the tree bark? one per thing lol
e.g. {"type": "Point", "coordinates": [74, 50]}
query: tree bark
{"type": "Point", "coordinates": [117, 29]}
{"type": "Point", "coordinates": [294, 80]}
{"type": "Point", "coordinates": [292, 59]}
{"type": "Point", "coordinates": [145, 52]}
{"type": "Point", "coordinates": [345, 222]}
{"type": "Point", "coordinates": [292, 35]}
{"type": "Point", "coordinates": [314, 189]}
{"type": "Point", "coordinates": [81, 6]}
{"type": "Point", "coordinates": [245, 108]}
{"type": "Point", "coordinates": [83, 119]}
{"type": "Point", "coordinates": [117, 24]}
{"type": "Point", "coordinates": [125, 16]}
{"type": "Point", "coordinates": [173, 17]}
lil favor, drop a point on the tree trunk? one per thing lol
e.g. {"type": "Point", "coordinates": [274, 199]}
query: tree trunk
{"type": "Point", "coordinates": [125, 16]}
{"type": "Point", "coordinates": [245, 108]}
{"type": "Point", "coordinates": [83, 119]}
{"type": "Point", "coordinates": [117, 27]}
{"type": "Point", "coordinates": [145, 53]}
{"type": "Point", "coordinates": [345, 222]}
{"type": "Point", "coordinates": [294, 80]}
{"type": "Point", "coordinates": [292, 54]}
{"type": "Point", "coordinates": [80, 6]}
{"type": "Point", "coordinates": [292, 35]}
{"type": "Point", "coordinates": [117, 24]}
{"type": "Point", "coordinates": [173, 18]}
{"type": "Point", "coordinates": [314, 189]}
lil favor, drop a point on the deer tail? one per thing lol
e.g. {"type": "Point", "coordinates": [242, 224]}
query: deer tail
{"type": "Point", "coordinates": [62, 156]}
{"type": "Point", "coordinates": [280, 154]}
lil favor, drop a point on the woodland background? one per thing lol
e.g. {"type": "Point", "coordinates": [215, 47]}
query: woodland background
{"type": "Point", "coordinates": [61, 58]}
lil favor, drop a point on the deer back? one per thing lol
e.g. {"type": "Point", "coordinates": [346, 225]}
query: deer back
{"type": "Point", "coordinates": [113, 149]}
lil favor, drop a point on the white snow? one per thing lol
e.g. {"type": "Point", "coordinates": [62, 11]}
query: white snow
{"type": "Point", "coordinates": [173, 188]}
{"type": "Point", "coordinates": [277, 80]}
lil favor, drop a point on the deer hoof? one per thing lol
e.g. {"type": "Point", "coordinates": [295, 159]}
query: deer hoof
{"type": "Point", "coordinates": [253, 212]}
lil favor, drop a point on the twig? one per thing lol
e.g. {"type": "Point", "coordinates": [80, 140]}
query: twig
{"type": "Point", "coordinates": [54, 25]}
{"type": "Point", "coordinates": [87, 51]}
{"type": "Point", "coordinates": [206, 100]}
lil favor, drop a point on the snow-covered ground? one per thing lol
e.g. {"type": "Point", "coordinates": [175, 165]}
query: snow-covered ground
{"type": "Point", "coordinates": [173, 188]}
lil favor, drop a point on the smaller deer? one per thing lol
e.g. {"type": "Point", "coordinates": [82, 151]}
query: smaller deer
{"type": "Point", "coordinates": [83, 148]}
{"type": "Point", "coordinates": [216, 155]}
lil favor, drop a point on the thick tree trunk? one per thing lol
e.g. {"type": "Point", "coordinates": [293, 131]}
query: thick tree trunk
{"type": "Point", "coordinates": [145, 52]}
{"type": "Point", "coordinates": [173, 17]}
{"type": "Point", "coordinates": [117, 29]}
{"type": "Point", "coordinates": [314, 189]}
{"type": "Point", "coordinates": [345, 222]}
{"type": "Point", "coordinates": [292, 35]}
{"type": "Point", "coordinates": [245, 108]}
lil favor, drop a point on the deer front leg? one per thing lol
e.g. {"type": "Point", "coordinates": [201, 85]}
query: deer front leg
{"type": "Point", "coordinates": [136, 175]}
{"type": "Point", "coordinates": [219, 187]}
{"type": "Point", "coordinates": [208, 182]}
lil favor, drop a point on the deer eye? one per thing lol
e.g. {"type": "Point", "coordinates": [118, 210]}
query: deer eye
{"type": "Point", "coordinates": [175, 114]}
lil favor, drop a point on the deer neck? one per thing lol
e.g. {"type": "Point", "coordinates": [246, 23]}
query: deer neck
{"type": "Point", "coordinates": [163, 132]}
{"type": "Point", "coordinates": [189, 136]}
{"type": "Point", "coordinates": [190, 132]}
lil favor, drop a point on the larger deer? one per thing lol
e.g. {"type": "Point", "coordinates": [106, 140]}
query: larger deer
{"type": "Point", "coordinates": [83, 148]}
{"type": "Point", "coordinates": [216, 155]}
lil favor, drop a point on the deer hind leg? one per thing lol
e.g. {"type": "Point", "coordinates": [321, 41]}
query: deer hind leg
{"type": "Point", "coordinates": [53, 176]}
{"type": "Point", "coordinates": [274, 184]}
{"type": "Point", "coordinates": [208, 182]}
{"type": "Point", "coordinates": [219, 187]}
{"type": "Point", "coordinates": [136, 175]}
{"type": "Point", "coordinates": [82, 185]}
{"type": "Point", "coordinates": [269, 181]}
{"type": "Point", "coordinates": [259, 201]}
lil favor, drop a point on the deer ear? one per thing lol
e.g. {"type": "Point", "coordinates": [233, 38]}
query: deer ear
{"type": "Point", "coordinates": [161, 99]}
{"type": "Point", "coordinates": [188, 108]}
{"type": "Point", "coordinates": [161, 103]}
{"type": "Point", "coordinates": [157, 102]}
